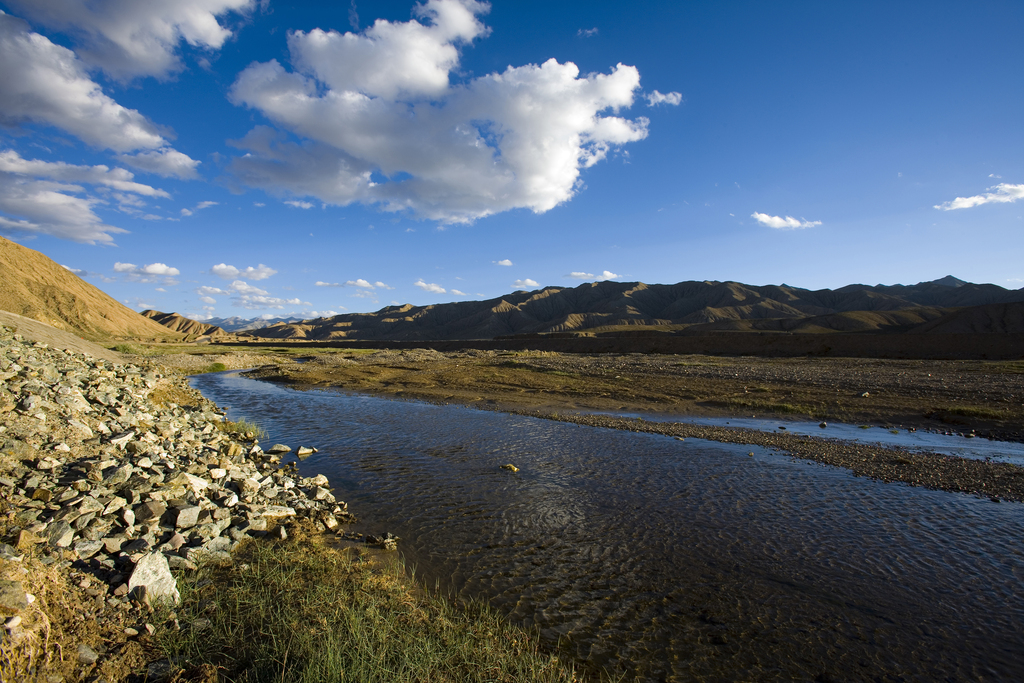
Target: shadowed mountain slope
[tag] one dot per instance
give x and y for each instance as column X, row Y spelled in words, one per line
column 33, row 286
column 690, row 306
column 179, row 323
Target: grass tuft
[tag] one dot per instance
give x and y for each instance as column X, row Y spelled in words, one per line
column 304, row 612
column 243, row 428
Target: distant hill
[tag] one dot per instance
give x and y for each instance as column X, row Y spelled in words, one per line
column 179, row 323
column 686, row 307
column 237, row 324
column 33, row 286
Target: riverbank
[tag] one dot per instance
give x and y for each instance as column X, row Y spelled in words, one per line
column 132, row 516
column 968, row 397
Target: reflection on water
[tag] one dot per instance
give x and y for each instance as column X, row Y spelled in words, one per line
column 947, row 444
column 670, row 560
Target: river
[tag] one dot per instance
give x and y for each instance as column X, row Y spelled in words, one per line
column 669, row 560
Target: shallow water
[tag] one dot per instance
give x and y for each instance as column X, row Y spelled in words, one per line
column 975, row 448
column 670, row 560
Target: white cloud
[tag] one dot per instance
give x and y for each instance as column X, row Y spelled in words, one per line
column 206, row 204
column 523, row 284
column 1002, row 193
column 226, row 272
column 380, row 284
column 130, row 38
column 429, row 287
column 151, row 273
column 321, row 314
column 359, row 283
column 44, row 197
column 780, row 223
column 207, row 299
column 240, row 287
column 260, row 302
column 656, row 98
column 166, row 162
column 580, row 275
column 587, row 32
column 115, row 178
column 504, row 262
column 258, row 204
column 458, row 293
column 46, row 83
column 381, row 101
column 318, row 283
column 299, row 205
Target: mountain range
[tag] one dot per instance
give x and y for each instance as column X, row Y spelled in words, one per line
column 944, row 305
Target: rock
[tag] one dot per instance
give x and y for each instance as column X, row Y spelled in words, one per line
column 279, row 448
column 60, row 534
column 153, row 572
column 87, row 549
column 187, row 517
column 248, row 487
column 510, row 467
column 149, row 511
column 278, row 511
column 823, row 425
column 176, row 541
column 304, row 452
column 86, row 655
column 13, row 597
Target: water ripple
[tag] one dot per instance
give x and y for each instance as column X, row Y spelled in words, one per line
column 670, row 560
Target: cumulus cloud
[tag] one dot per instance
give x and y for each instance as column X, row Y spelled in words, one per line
column 581, row 275
column 524, row 284
column 429, row 287
column 130, row 38
column 780, row 223
column 299, row 205
column 360, row 283
column 381, row 101
column 262, row 302
column 153, row 272
column 1002, row 193
column 656, row 98
column 45, row 83
column 458, row 293
column 45, row 197
column 504, row 262
column 226, row 272
column 165, row 162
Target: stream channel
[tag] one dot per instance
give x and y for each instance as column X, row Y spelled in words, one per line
column 669, row 560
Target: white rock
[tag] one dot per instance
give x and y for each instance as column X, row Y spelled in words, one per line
column 153, row 572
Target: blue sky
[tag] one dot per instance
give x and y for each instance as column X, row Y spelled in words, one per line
column 231, row 157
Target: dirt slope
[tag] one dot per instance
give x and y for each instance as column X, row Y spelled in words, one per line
column 179, row 323
column 33, row 286
column 41, row 332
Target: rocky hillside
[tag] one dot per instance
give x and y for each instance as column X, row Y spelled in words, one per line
column 106, row 494
column 186, row 326
column 33, row 286
column 693, row 306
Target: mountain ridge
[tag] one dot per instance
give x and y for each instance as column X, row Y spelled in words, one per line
column 689, row 306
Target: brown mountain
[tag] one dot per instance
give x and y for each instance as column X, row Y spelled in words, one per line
column 33, row 286
column 179, row 323
column 683, row 307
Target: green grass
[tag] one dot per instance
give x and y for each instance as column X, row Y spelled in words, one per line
column 765, row 406
column 243, row 428
column 301, row 612
column 975, row 411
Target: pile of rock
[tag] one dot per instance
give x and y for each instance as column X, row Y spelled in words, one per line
column 97, row 476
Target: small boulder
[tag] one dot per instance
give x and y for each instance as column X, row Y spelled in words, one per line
column 13, row 597
column 153, row 572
